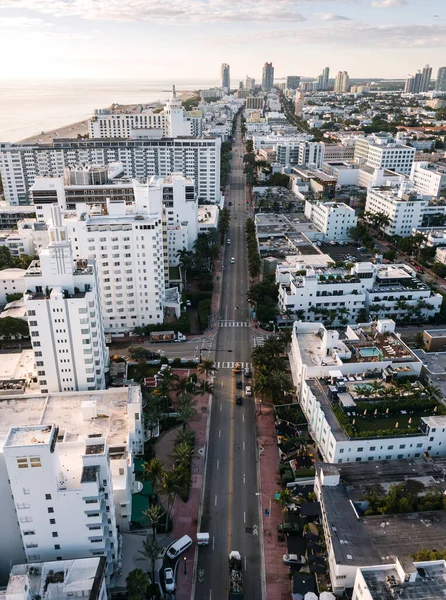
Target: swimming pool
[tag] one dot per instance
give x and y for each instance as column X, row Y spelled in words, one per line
column 368, row 352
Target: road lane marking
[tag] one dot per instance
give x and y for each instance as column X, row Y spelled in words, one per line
column 213, row 542
column 215, row 501
column 221, row 407
column 210, row 594
column 219, row 433
column 244, row 516
column 243, row 418
column 245, row 562
column 243, row 445
column 244, row 478
column 218, row 463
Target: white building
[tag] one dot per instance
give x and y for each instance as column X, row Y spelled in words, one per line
column 65, row 317
column 140, row 157
column 208, row 218
column 382, row 151
column 12, row 281
column 343, row 151
column 404, row 206
column 66, row 473
column 429, row 179
column 341, row 83
column 58, row 580
column 172, row 120
column 386, row 291
column 440, row 255
column 311, row 154
column 334, row 219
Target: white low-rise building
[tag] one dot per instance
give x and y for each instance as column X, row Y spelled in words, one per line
column 339, row 294
column 405, row 207
column 334, row 219
column 429, row 179
column 66, row 473
column 63, row 304
column 12, row 281
column 58, row 580
column 208, row 215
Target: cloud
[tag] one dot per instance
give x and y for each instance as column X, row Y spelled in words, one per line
column 10, row 23
column 326, row 16
column 389, row 3
column 360, row 35
column 173, row 11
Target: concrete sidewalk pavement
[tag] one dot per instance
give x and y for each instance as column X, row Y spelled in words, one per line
column 278, row 586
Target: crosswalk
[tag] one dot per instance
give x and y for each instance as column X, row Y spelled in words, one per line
column 230, row 365
column 233, row 324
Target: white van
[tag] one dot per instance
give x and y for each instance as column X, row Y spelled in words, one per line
column 179, row 547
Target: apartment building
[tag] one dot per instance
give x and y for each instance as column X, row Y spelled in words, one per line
column 255, row 102
column 63, row 305
column 341, row 84
column 382, row 151
column 429, row 179
column 311, row 154
column 117, row 122
column 339, row 152
column 80, row 577
column 12, row 281
column 66, row 474
column 334, row 219
column 267, row 77
column 225, row 77
column 140, row 158
column 11, row 215
column 386, row 291
column 404, row 206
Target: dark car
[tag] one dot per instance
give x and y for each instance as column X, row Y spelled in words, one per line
column 290, row 528
column 239, row 385
column 229, row 203
column 248, row 372
column 239, row 400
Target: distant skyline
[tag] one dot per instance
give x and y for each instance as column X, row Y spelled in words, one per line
column 151, row 39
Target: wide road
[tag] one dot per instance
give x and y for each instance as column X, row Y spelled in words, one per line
column 231, row 507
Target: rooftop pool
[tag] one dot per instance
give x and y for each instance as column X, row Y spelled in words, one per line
column 368, row 352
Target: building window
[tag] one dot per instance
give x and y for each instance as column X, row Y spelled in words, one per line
column 35, row 461
column 52, row 521
column 22, row 463
column 56, row 546
column 54, row 534
column 50, row 509
column 47, row 496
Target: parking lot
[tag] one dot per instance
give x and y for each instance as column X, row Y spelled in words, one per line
column 347, row 252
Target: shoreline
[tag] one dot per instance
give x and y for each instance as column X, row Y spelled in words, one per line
column 71, row 130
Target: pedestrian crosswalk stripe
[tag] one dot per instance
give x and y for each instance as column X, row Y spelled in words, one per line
column 230, row 365
column 233, row 323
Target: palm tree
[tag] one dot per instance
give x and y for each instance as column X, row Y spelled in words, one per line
column 165, row 383
column 151, row 551
column 185, row 261
column 376, row 386
column 154, row 471
column 137, row 584
column 183, row 385
column 153, row 516
column 273, row 347
column 207, row 367
column 182, row 455
column 261, row 385
column 205, row 387
column 285, row 337
column 151, row 411
column 279, row 383
column 185, row 408
column 224, row 220
column 185, row 436
column 173, row 483
column 283, row 498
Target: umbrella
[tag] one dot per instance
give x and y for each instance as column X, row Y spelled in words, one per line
column 310, row 596
column 327, row 596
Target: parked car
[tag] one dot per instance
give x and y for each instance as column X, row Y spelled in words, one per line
column 248, row 373
column 239, row 385
column 169, row 581
column 293, row 559
column 239, row 400
column 248, row 390
column 289, row 528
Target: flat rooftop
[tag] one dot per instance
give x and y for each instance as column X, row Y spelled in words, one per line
column 336, row 428
column 17, row 365
column 65, row 411
column 428, row 585
column 434, row 362
column 436, row 333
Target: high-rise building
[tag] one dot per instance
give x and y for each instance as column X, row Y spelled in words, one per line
column 311, row 154
column 341, row 82
column 65, row 317
column 250, row 83
column 267, row 77
column 299, row 103
column 225, row 77
column 440, row 84
column 325, row 77
column 413, row 84
column 426, row 76
column 292, row 82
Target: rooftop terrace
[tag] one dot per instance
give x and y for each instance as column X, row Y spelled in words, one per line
column 385, row 584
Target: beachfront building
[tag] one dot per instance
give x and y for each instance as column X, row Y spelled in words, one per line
column 405, row 207
column 382, row 151
column 119, row 122
column 340, row 295
column 334, row 219
column 64, row 316
column 143, row 155
column 67, row 474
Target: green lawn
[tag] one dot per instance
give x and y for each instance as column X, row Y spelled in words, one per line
column 377, row 423
column 138, row 372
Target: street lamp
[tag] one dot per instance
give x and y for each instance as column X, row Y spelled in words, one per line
column 185, row 565
column 270, row 499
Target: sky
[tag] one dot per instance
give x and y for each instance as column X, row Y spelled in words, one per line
column 166, row 39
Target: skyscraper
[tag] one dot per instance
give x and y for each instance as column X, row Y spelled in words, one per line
column 292, row 82
column 341, row 82
column 267, row 77
column 426, row 78
column 413, row 84
column 440, row 84
column 225, row 77
column 325, row 76
column 250, row 83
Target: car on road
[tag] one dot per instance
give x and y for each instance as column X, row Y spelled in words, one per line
column 248, row 390
column 239, row 400
column 248, row 373
column 229, row 203
column 239, row 385
column 232, row 260
column 169, row 581
column 228, row 241
column 237, row 368
column 188, row 303
column 293, row 559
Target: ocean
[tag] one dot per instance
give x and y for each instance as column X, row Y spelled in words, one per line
column 30, row 106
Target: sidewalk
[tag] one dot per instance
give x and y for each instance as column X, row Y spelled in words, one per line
column 278, row 586
column 185, row 515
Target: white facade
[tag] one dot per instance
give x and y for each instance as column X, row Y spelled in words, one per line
column 207, row 218
column 140, row 158
column 69, row 469
column 429, row 179
column 341, row 83
column 311, row 154
column 404, row 206
column 81, row 577
column 387, row 291
column 334, row 219
column 440, row 255
column 12, row 281
column 65, row 317
column 381, row 151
